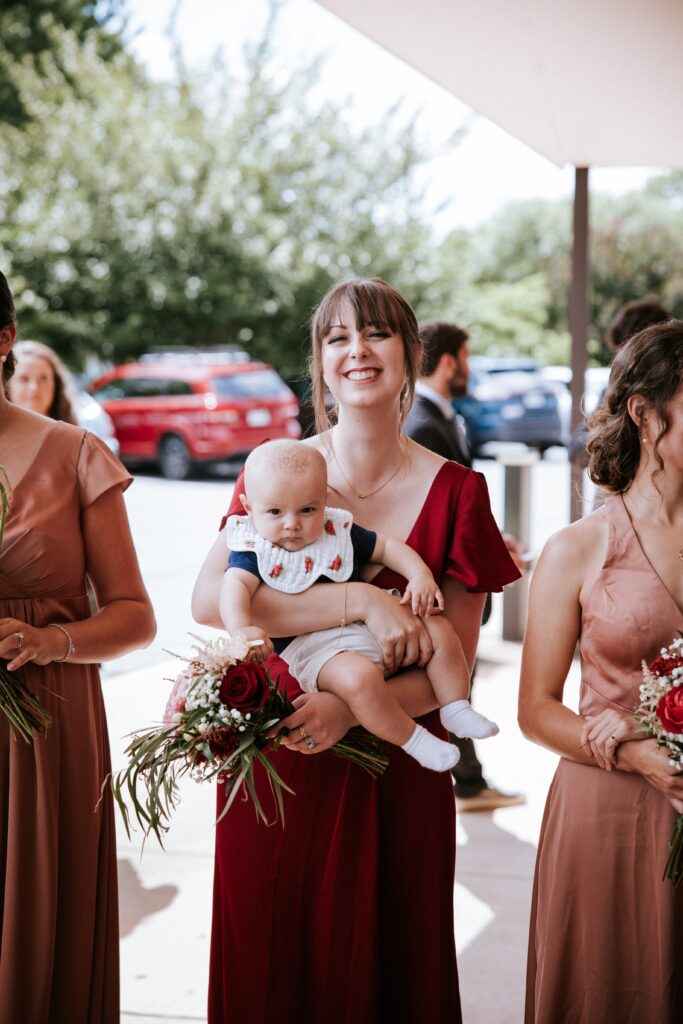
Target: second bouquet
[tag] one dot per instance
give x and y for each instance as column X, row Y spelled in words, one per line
column 219, row 724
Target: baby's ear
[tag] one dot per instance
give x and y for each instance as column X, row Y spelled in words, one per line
column 245, row 503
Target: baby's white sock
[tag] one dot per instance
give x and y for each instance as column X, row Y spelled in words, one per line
column 430, row 751
column 459, row 717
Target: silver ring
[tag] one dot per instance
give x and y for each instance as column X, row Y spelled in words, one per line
column 310, row 742
column 20, row 640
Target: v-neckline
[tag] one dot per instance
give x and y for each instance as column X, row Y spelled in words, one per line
column 646, row 559
column 417, row 519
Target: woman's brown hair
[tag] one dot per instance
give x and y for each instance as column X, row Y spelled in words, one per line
column 374, row 303
column 649, row 365
column 7, row 316
column 62, row 407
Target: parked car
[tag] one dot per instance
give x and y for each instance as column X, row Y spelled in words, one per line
column 509, row 400
column 92, row 417
column 595, row 383
column 184, row 409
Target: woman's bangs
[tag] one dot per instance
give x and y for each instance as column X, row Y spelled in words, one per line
column 371, row 304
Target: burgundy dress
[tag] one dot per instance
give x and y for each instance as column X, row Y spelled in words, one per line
column 606, row 942
column 345, row 915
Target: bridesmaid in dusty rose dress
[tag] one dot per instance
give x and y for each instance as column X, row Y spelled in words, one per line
column 606, row 943
column 58, row 898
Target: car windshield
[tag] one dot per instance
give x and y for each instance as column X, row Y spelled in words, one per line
column 252, row 384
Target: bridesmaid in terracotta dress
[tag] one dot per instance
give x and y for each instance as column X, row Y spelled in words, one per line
column 58, row 897
column 606, row 944
column 345, row 916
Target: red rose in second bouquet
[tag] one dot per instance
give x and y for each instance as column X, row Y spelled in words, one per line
column 665, row 666
column 245, row 687
column 670, row 710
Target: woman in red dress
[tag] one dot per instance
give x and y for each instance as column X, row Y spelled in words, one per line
column 346, row 913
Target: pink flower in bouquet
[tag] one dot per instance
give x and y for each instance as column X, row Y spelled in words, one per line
column 670, row 710
column 245, row 687
column 176, row 702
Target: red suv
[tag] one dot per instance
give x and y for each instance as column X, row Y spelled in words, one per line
column 181, row 409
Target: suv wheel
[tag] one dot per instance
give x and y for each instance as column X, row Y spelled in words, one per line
column 174, row 458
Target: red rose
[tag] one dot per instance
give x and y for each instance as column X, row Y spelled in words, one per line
column 670, row 710
column 245, row 687
column 223, row 742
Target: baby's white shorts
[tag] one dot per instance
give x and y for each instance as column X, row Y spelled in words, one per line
column 307, row 654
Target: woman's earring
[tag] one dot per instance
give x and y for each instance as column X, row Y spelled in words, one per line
column 3, row 359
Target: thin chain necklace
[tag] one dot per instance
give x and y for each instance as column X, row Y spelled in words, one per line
column 679, row 551
column 368, row 494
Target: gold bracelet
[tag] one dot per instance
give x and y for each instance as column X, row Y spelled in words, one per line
column 70, row 649
column 343, row 622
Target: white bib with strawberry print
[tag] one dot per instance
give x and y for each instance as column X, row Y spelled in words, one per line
column 331, row 555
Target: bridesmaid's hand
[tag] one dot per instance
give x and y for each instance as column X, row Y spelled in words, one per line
column 651, row 761
column 20, row 643
column 323, row 718
column 401, row 635
column 602, row 734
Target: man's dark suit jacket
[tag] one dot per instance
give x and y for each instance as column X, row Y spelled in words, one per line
column 427, row 425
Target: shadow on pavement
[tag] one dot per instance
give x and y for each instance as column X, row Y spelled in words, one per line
column 135, row 902
column 497, row 868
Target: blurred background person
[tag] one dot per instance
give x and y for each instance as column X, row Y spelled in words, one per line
column 42, row 383
column 434, row 423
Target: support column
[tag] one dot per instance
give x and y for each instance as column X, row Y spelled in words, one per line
column 578, row 322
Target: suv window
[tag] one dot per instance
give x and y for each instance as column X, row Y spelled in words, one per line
column 254, row 384
column 143, row 387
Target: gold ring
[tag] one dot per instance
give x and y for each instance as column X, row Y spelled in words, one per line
column 303, row 732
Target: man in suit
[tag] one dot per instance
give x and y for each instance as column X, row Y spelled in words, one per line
column 433, row 423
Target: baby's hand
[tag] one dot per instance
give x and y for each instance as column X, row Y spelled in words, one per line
column 423, row 595
column 262, row 649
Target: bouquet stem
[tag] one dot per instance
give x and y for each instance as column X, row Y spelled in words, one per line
column 22, row 709
column 674, row 865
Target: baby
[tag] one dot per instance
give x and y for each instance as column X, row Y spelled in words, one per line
column 289, row 540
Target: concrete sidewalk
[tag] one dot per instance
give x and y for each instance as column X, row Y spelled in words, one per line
column 166, row 895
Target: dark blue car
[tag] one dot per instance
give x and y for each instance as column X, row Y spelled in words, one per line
column 509, row 400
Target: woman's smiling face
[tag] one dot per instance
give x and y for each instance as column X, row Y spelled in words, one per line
column 362, row 366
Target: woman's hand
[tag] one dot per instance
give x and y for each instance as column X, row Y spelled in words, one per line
column 20, row 643
column 401, row 635
column 651, row 761
column 323, row 718
column 603, row 733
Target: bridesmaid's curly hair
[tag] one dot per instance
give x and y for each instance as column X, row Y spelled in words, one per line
column 649, row 365
column 376, row 303
column 7, row 316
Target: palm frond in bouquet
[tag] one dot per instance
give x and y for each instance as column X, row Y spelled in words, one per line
column 19, row 704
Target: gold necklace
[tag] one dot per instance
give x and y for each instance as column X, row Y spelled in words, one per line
column 679, row 551
column 369, row 494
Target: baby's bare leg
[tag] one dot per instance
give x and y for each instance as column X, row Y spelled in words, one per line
column 361, row 685
column 448, row 673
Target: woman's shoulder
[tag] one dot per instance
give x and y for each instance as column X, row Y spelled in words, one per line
column 578, row 548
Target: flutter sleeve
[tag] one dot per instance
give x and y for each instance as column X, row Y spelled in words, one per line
column 235, row 508
column 98, row 470
column 477, row 555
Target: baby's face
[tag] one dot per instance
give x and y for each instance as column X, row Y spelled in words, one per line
column 288, row 509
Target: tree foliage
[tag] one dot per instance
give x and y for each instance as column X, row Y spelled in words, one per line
column 219, row 209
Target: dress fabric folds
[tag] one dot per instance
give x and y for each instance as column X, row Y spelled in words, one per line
column 606, row 942
column 58, row 895
column 345, row 915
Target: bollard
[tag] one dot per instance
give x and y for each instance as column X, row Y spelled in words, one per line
column 517, row 521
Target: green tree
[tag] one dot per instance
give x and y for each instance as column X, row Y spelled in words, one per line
column 29, row 33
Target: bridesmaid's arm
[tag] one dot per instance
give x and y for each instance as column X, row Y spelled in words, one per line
column 553, row 625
